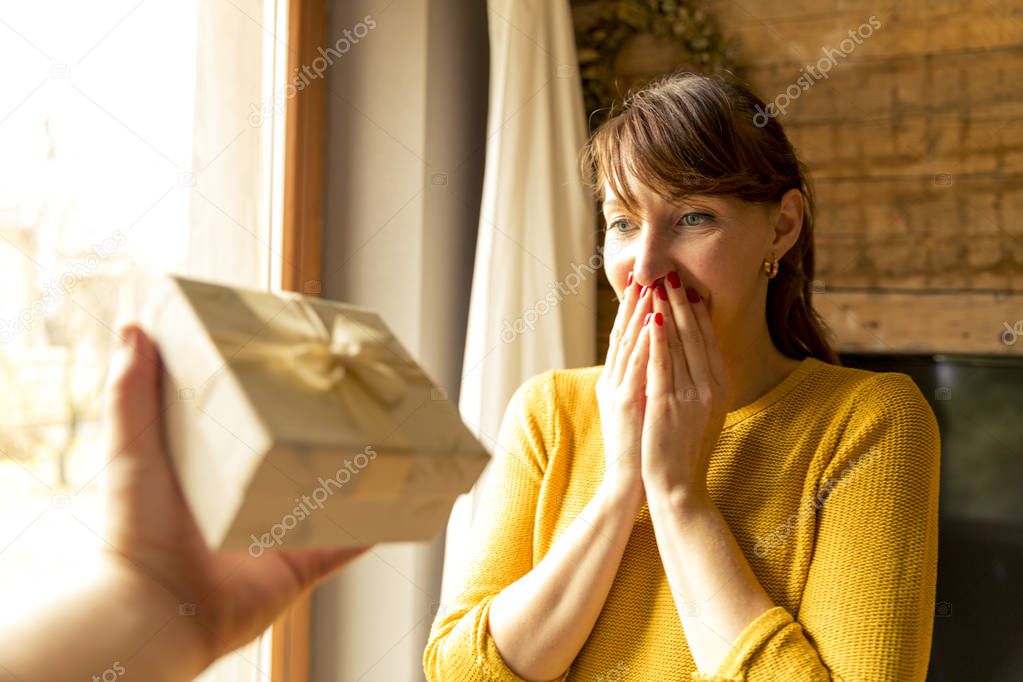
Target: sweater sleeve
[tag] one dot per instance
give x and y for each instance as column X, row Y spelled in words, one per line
column 460, row 648
column 868, row 604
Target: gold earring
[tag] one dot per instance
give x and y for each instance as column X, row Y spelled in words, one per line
column 771, row 267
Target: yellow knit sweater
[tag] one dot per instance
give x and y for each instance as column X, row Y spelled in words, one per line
column 829, row 482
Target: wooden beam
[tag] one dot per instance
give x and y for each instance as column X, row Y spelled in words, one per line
column 956, row 322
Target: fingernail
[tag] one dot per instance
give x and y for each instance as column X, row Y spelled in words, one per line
column 629, row 282
column 692, row 295
column 124, row 335
column 647, row 319
column 659, row 320
column 643, row 292
column 674, row 280
column 662, row 292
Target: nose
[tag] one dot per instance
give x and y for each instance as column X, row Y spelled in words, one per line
column 651, row 261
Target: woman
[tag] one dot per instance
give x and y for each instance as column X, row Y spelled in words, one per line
column 720, row 500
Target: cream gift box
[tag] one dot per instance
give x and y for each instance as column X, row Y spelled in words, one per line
column 295, row 422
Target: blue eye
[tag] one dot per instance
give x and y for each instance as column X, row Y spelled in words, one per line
column 703, row 217
column 621, row 225
column 619, row 221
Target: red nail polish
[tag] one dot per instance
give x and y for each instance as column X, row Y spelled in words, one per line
column 674, row 280
column 662, row 292
column 692, row 295
column 643, row 292
column 629, row 282
column 646, row 319
column 659, row 320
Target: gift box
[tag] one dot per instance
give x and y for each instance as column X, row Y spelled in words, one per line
column 295, row 422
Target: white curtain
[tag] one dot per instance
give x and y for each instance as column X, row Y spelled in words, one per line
column 533, row 304
column 231, row 220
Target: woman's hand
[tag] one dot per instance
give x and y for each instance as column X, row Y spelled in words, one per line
column 543, row 618
column 620, row 393
column 153, row 536
column 687, row 393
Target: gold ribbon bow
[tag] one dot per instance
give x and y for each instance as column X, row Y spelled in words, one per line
column 354, row 361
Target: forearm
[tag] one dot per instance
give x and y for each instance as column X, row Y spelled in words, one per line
column 541, row 621
column 122, row 623
column 715, row 590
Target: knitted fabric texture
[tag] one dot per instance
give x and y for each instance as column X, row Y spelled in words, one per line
column 829, row 482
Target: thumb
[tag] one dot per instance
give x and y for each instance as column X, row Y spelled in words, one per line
column 132, row 403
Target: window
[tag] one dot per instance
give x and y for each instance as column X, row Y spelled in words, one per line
column 129, row 143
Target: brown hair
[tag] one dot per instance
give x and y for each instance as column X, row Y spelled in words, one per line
column 690, row 134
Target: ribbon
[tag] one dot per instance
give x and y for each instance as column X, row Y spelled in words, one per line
column 354, row 361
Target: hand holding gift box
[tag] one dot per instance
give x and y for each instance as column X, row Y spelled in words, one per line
column 294, row 421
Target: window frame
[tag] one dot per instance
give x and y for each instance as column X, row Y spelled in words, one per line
column 301, row 267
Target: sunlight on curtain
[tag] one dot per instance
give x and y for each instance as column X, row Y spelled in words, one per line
column 128, row 146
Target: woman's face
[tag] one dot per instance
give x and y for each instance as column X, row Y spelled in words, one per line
column 717, row 244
